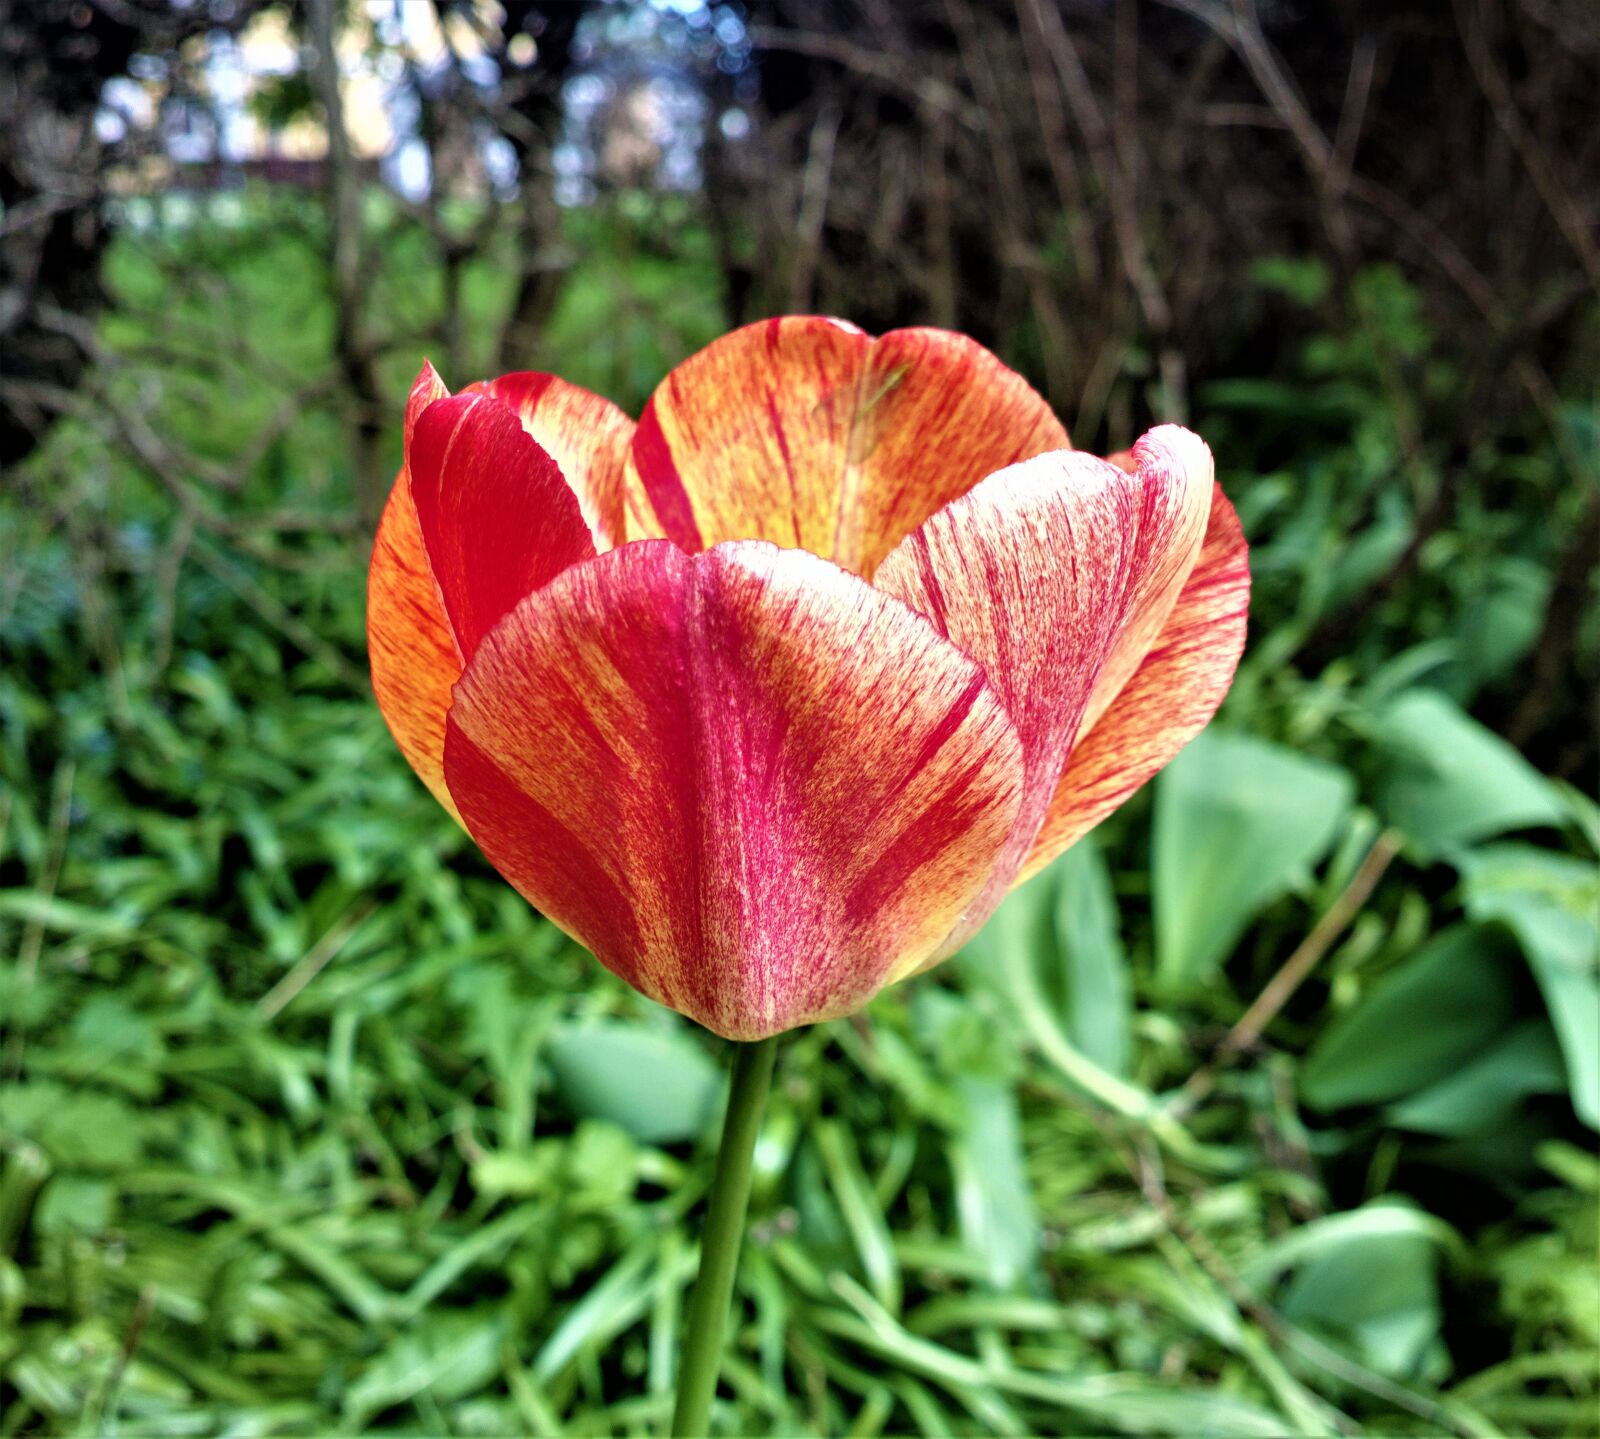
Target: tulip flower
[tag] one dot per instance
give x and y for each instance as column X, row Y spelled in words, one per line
column 770, row 698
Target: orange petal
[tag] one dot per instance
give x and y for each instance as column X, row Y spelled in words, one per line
column 1048, row 573
column 587, row 436
column 413, row 649
column 493, row 507
column 755, row 787
column 1170, row 698
column 807, row 432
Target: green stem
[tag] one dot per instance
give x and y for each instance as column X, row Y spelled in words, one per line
column 719, row 1243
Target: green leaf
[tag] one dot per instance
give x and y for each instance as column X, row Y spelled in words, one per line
column 620, row 1298
column 447, row 1356
column 1063, row 926
column 1485, row 1092
column 1500, row 621
column 863, row 1215
column 659, row 1085
column 62, row 915
column 1367, row 1279
column 1239, row 822
column 1096, row 1009
column 1550, row 902
column 1448, row 781
column 993, row 1197
column 1380, row 1297
column 1303, row 280
column 1420, row 1022
column 76, row 1129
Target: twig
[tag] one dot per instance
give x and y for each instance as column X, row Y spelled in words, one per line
column 1297, row 968
column 1097, row 134
column 1357, row 91
column 1569, row 219
column 118, row 423
column 1013, row 190
column 814, row 204
column 1058, row 155
column 143, row 1307
column 279, row 617
column 313, row 961
column 1240, row 27
column 930, row 91
column 347, row 260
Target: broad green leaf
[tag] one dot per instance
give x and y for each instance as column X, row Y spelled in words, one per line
column 1500, row 621
column 1382, row 1219
column 1420, row 1022
column 1381, row 1298
column 1062, row 927
column 1551, row 903
column 75, row 1128
column 993, row 1198
column 1448, row 781
column 1486, row 1090
column 659, row 1085
column 1239, row 822
column 1368, row 1280
column 1093, row 970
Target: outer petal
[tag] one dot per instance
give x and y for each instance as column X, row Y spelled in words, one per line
column 415, row 660
column 1049, row 574
column 1170, row 698
column 587, row 436
column 755, row 787
column 808, row 432
column 1176, row 476
column 497, row 517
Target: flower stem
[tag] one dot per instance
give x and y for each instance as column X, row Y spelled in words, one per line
column 724, row 1231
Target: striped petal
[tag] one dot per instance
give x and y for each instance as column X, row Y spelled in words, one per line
column 415, row 660
column 415, row 649
column 755, row 787
column 807, row 432
column 497, row 517
column 1175, row 477
column 1051, row 574
column 1170, row 697
column 587, row 436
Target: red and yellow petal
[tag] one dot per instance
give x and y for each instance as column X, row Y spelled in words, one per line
column 1176, row 476
column 481, row 482
column 1048, row 573
column 496, row 514
column 755, row 787
column 807, row 432
column 1170, row 697
column 413, row 650
column 586, row 435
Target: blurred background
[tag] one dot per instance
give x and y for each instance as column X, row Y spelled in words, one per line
column 1270, row 1109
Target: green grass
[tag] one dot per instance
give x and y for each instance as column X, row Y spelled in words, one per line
column 308, row 1124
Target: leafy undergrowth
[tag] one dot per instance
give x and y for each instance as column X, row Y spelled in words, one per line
column 309, row 1125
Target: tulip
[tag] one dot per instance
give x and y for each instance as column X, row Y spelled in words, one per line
column 769, row 699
